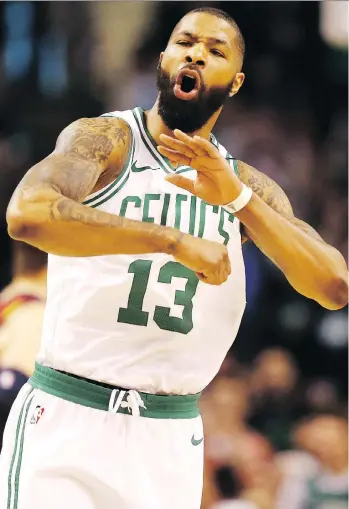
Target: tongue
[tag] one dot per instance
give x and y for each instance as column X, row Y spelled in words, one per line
column 185, row 96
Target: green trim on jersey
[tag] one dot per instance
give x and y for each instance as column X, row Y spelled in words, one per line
column 149, row 142
column 16, row 461
column 97, row 395
column 228, row 156
column 163, row 161
column 183, row 170
column 111, row 190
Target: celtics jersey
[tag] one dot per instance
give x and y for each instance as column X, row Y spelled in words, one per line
column 145, row 321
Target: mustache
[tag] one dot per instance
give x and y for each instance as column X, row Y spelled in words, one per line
column 191, row 67
column 172, row 80
column 188, row 116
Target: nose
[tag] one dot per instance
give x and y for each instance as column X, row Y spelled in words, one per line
column 196, row 55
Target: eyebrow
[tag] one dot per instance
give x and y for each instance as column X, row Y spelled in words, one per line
column 212, row 40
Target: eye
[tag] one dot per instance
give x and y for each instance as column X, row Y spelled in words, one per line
column 217, row 53
column 184, row 43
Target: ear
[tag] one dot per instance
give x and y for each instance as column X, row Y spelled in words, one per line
column 237, row 83
column 161, row 55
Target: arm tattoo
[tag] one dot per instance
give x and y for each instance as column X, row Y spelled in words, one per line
column 306, row 228
column 85, row 151
column 65, row 209
column 97, row 138
column 266, row 188
column 272, row 194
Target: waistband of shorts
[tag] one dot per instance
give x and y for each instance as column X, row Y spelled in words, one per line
column 96, row 395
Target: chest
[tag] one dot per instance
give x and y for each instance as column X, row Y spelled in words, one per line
column 148, row 197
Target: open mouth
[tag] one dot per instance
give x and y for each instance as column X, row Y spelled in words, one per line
column 187, row 84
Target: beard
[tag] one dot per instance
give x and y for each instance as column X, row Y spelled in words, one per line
column 188, row 116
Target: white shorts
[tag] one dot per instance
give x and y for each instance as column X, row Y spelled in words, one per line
column 72, row 444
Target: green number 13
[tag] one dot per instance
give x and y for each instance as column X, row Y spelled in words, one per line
column 134, row 313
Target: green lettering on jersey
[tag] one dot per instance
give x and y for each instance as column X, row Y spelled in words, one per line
column 147, row 199
column 135, row 315
column 179, row 199
column 202, row 218
column 164, row 212
column 192, row 216
column 129, row 199
column 221, row 230
column 162, row 315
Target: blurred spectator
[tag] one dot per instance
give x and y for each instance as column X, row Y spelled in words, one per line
column 224, row 407
column 260, row 482
column 325, row 437
column 275, row 396
column 22, row 305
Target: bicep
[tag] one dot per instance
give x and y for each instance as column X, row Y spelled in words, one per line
column 266, row 188
column 84, row 150
column 65, row 174
column 274, row 196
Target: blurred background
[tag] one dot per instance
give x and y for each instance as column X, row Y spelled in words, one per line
column 276, row 415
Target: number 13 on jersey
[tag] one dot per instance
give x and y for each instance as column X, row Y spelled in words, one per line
column 134, row 313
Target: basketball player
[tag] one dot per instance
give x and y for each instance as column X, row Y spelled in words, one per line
column 146, row 286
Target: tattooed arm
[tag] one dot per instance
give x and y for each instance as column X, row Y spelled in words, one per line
column 314, row 268
column 46, row 209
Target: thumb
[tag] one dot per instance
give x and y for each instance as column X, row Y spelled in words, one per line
column 182, row 182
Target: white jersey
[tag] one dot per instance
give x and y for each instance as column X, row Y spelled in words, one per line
column 145, row 321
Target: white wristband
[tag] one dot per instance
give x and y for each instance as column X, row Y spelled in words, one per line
column 241, row 201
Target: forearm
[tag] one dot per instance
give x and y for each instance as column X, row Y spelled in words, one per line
column 312, row 267
column 59, row 225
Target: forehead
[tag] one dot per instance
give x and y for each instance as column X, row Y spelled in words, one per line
column 206, row 25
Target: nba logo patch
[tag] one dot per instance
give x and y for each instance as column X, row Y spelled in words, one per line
column 35, row 418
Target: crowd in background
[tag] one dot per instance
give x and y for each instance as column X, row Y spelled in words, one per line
column 275, row 417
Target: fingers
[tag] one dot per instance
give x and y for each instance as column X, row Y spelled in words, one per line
column 189, row 146
column 199, row 145
column 174, row 156
column 178, row 146
column 215, row 278
column 182, row 182
column 190, row 142
column 220, row 272
column 207, row 146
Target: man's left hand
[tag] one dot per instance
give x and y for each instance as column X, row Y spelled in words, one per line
column 216, row 183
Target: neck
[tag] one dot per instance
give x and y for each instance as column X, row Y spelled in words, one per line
column 156, row 125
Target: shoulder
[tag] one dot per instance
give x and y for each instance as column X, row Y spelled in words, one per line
column 102, row 139
column 266, row 188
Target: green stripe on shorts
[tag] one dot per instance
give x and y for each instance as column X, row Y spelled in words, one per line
column 16, row 462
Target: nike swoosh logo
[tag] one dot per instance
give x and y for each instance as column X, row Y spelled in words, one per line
column 137, row 169
column 196, row 442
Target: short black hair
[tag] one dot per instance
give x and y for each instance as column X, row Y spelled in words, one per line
column 224, row 15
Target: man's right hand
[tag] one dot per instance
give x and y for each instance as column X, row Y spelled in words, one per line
column 209, row 260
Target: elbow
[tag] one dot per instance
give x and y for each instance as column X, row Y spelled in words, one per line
column 337, row 293
column 20, row 229
column 20, row 226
